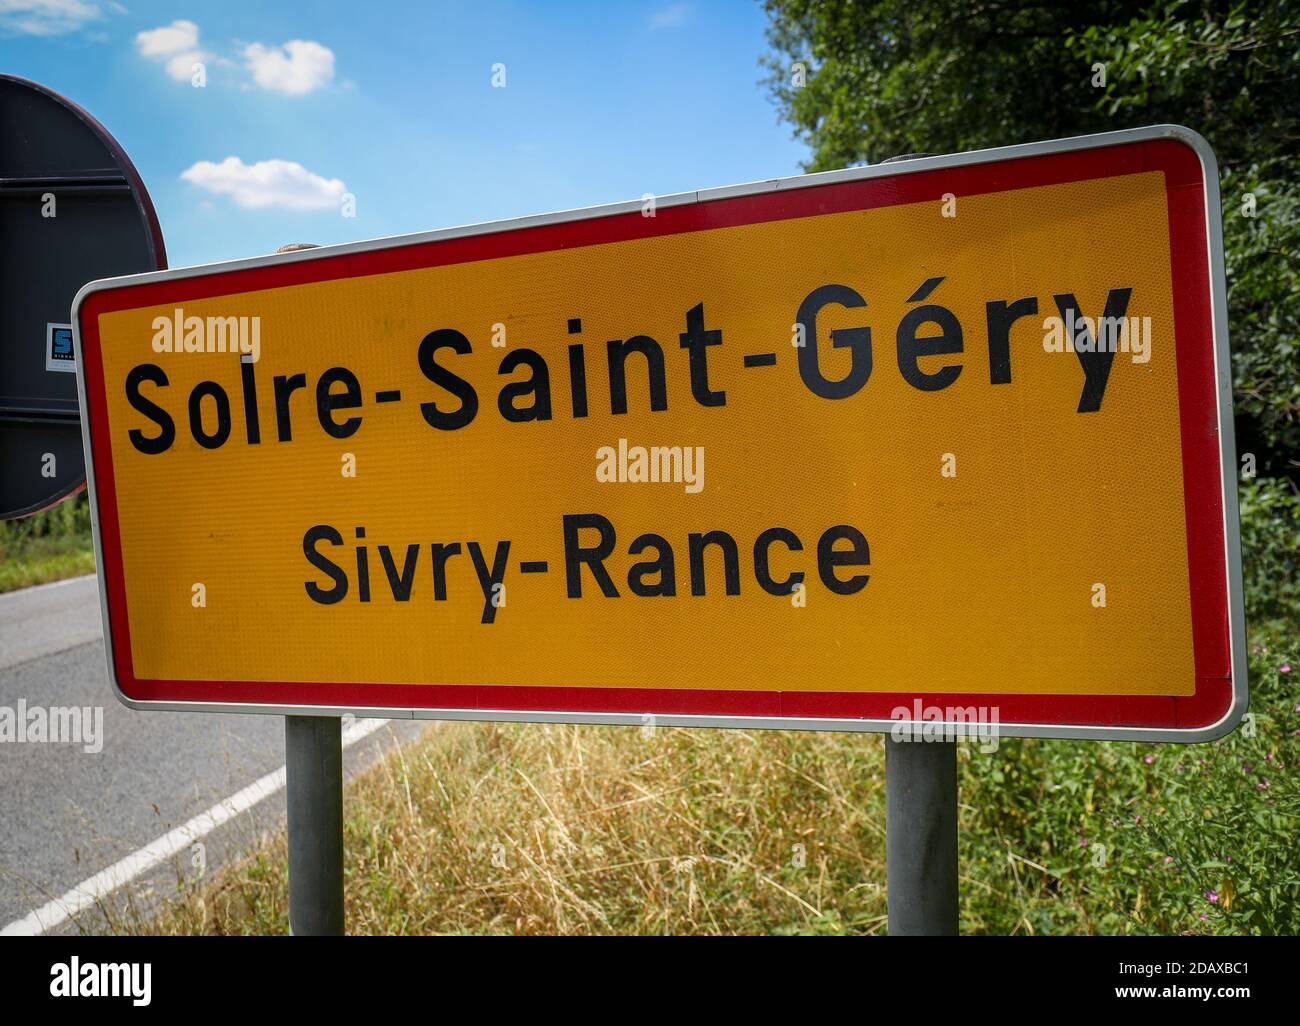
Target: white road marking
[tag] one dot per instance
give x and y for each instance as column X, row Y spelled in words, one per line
column 90, row 892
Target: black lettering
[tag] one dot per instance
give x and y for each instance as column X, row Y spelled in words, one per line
column 911, row 348
column 447, row 338
column 578, row 379
column 1096, row 360
column 856, row 340
column 252, row 422
column 222, row 402
column 761, row 572
column 349, row 399
column 314, row 535
column 488, row 580
column 697, row 340
column 400, row 585
column 1000, row 316
column 284, row 388
column 654, row 356
column 538, row 385
column 440, row 554
column 828, row 558
column 576, row 554
column 663, row 566
column 363, row 569
column 150, row 372
column 730, row 560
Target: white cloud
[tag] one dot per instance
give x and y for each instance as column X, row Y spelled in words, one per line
column 177, row 44
column 168, row 40
column 268, row 183
column 671, row 17
column 46, row 17
column 296, row 68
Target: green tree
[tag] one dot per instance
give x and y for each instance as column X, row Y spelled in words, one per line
column 864, row 81
column 899, row 76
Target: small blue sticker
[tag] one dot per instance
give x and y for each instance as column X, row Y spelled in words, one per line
column 59, row 355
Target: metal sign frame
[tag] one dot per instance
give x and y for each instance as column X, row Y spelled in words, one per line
column 1208, row 716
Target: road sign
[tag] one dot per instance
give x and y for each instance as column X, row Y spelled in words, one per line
column 72, row 208
column 929, row 442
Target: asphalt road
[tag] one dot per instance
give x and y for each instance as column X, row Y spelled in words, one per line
column 67, row 814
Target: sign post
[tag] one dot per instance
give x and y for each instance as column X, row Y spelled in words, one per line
column 313, row 754
column 921, row 837
column 940, row 448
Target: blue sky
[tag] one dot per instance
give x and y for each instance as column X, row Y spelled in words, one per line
column 394, row 104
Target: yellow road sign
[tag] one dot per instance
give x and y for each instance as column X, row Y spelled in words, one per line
column 892, row 444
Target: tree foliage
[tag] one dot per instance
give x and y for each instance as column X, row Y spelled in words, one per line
column 861, row 82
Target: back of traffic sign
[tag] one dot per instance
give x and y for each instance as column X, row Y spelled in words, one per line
column 72, row 209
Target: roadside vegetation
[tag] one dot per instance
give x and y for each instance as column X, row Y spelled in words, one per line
column 47, row 547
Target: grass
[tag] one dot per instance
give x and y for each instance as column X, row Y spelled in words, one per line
column 586, row 830
column 47, row 547
column 495, row 828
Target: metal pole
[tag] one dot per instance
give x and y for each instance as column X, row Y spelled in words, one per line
column 313, row 758
column 921, row 837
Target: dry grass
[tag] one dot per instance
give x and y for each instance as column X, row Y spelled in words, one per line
column 489, row 828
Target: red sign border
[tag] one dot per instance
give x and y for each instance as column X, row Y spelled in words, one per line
column 1219, row 697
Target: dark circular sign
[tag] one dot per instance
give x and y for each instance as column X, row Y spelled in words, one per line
column 72, row 209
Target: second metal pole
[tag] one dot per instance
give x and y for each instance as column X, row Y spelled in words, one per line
column 921, row 837
column 313, row 759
